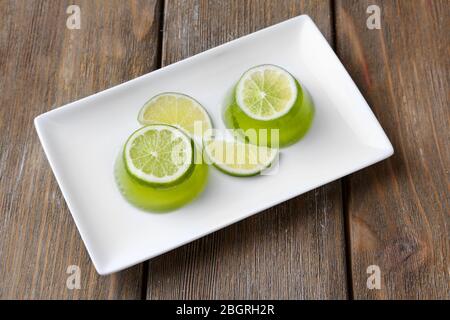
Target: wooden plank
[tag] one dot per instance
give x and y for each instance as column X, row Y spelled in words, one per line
column 43, row 64
column 295, row 250
column 398, row 210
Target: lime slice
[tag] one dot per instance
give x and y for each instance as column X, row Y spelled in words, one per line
column 266, row 92
column 238, row 158
column 159, row 155
column 175, row 109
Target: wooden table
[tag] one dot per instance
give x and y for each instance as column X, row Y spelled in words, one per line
column 394, row 214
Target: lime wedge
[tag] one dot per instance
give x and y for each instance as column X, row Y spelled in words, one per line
column 175, row 109
column 266, row 92
column 237, row 158
column 159, row 155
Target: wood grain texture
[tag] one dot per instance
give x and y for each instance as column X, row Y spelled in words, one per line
column 43, row 65
column 398, row 210
column 293, row 251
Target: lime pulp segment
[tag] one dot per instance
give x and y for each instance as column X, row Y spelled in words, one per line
column 266, row 92
column 175, row 109
column 158, row 154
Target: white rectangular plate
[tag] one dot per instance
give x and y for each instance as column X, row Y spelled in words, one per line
column 82, row 139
